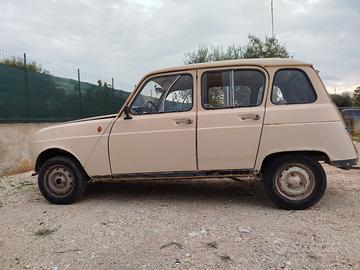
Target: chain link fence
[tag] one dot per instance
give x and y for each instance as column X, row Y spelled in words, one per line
column 29, row 93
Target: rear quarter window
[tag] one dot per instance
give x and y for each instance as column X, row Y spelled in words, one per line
column 292, row 86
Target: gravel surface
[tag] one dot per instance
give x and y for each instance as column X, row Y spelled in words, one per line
column 189, row 224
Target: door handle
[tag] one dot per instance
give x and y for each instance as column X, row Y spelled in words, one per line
column 187, row 121
column 250, row 116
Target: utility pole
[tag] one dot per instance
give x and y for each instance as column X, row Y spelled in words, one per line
column 113, row 95
column 80, row 99
column 27, row 89
column 272, row 18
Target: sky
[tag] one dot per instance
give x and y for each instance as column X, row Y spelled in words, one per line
column 125, row 39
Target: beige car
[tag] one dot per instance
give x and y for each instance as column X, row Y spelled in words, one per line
column 257, row 117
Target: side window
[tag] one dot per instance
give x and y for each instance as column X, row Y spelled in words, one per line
column 180, row 96
column 172, row 93
column 292, row 86
column 216, row 89
column 232, row 88
column 248, row 88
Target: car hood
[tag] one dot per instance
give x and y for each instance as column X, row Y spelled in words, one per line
column 93, row 126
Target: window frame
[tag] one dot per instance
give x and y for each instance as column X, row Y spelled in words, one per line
column 232, row 87
column 307, row 78
column 143, row 84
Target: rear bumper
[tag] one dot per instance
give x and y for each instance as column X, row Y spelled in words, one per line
column 345, row 164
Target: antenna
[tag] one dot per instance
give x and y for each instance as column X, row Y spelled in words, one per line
column 272, row 18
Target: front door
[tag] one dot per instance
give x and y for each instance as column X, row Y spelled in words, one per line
column 230, row 117
column 160, row 136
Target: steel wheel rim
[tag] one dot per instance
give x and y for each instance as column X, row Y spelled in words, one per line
column 295, row 181
column 59, row 181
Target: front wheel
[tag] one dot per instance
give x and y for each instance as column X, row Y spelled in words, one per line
column 61, row 180
column 294, row 182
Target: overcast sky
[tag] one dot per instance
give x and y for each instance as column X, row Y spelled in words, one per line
column 127, row 38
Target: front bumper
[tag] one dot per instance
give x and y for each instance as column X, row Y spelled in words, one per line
column 345, row 164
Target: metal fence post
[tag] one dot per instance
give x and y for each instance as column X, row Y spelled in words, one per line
column 80, row 101
column 27, row 90
column 113, row 94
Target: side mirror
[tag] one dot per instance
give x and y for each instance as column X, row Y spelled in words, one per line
column 127, row 113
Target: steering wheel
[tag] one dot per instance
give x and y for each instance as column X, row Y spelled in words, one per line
column 150, row 106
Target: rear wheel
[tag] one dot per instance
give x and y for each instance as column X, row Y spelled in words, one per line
column 294, row 181
column 61, row 180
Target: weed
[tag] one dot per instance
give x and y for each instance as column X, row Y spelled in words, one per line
column 24, row 184
column 212, row 244
column 179, row 246
column 45, row 232
column 225, row 258
column 356, row 137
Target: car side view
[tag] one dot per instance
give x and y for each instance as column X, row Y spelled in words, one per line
column 268, row 118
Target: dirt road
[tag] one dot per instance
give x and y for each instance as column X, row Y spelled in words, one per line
column 189, row 224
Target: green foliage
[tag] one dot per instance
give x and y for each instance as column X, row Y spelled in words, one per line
column 255, row 48
column 271, row 47
column 200, row 56
column 103, row 84
column 17, row 62
column 343, row 100
column 205, row 54
column 356, row 97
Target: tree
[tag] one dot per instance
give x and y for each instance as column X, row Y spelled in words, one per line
column 356, row 97
column 343, row 100
column 103, row 84
column 255, row 48
column 17, row 62
column 271, row 47
column 205, row 54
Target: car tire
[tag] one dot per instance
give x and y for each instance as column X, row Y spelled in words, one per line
column 294, row 182
column 61, row 180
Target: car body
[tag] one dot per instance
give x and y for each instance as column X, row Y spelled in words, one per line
column 352, row 119
column 220, row 119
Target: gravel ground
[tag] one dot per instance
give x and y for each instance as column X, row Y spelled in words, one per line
column 189, row 224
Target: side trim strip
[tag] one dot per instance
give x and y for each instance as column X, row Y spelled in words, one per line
column 182, row 174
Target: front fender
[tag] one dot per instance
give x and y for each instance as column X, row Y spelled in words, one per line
column 77, row 138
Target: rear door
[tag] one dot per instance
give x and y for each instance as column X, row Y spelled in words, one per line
column 230, row 117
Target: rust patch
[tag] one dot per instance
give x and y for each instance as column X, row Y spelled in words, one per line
column 23, row 166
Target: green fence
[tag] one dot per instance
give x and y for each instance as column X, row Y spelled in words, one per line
column 38, row 97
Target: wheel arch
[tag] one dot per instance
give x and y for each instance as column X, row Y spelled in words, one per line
column 52, row 152
column 316, row 155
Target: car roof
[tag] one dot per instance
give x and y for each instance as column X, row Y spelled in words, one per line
column 262, row 62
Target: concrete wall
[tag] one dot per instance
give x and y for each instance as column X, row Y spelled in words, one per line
column 14, row 147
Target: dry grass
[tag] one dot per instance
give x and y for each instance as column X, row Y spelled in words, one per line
column 356, row 137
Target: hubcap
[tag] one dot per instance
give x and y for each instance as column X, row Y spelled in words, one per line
column 295, row 182
column 59, row 181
